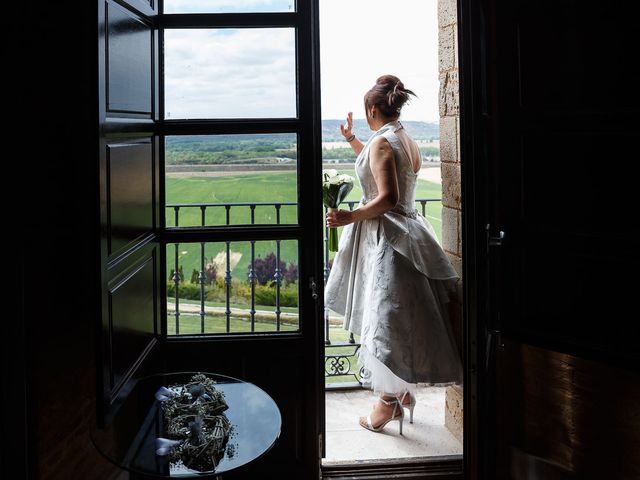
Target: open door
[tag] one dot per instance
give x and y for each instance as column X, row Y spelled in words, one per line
column 129, row 193
column 550, row 106
column 151, row 234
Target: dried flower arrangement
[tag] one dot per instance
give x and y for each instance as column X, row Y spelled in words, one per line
column 197, row 429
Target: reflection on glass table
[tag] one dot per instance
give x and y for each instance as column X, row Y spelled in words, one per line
column 131, row 441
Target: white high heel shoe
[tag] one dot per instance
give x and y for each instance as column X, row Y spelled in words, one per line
column 410, row 405
column 394, row 416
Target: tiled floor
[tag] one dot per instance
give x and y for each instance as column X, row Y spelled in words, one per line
column 347, row 441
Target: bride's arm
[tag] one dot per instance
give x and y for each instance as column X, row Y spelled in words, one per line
column 383, row 167
column 347, row 132
column 356, row 145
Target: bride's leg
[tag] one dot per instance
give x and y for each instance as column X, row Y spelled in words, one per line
column 387, row 407
column 407, row 400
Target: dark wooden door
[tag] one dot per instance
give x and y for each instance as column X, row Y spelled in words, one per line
column 140, row 234
column 550, row 130
column 129, row 192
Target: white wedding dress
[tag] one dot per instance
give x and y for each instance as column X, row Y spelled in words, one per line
column 392, row 282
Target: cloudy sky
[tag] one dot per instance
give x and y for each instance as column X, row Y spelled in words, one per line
column 234, row 73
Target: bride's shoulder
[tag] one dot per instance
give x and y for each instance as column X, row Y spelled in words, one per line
column 380, row 143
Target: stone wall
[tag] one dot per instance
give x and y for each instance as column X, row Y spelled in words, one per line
column 450, row 170
column 450, row 131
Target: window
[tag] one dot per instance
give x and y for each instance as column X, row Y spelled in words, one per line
column 230, row 73
column 235, row 133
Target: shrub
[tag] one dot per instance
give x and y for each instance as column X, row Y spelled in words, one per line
column 240, row 293
column 291, row 273
column 266, row 295
column 289, row 296
column 188, row 291
column 195, row 274
column 180, row 273
column 265, row 268
column 210, row 271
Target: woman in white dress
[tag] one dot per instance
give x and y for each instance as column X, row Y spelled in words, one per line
column 390, row 278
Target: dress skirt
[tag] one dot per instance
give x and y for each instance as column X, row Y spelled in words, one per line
column 393, row 284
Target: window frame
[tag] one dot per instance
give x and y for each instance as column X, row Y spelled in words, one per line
column 305, row 126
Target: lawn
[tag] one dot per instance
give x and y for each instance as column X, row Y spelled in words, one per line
column 280, row 186
column 190, row 325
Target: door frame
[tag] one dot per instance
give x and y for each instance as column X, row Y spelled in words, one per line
column 475, row 117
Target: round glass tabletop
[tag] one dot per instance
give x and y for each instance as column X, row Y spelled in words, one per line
column 131, row 439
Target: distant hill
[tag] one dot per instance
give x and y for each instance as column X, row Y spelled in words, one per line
column 418, row 130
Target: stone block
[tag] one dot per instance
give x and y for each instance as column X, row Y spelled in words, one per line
column 447, row 12
column 454, row 411
column 449, row 93
column 451, row 230
column 451, row 190
column 448, row 139
column 446, row 49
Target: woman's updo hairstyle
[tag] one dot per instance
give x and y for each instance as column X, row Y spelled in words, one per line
column 389, row 95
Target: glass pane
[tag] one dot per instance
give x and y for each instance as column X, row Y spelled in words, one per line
column 230, row 73
column 234, row 287
column 214, row 180
column 228, row 6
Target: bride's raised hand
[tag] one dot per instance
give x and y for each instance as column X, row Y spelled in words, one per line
column 346, row 131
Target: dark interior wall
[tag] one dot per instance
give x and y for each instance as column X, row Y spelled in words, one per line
column 55, row 169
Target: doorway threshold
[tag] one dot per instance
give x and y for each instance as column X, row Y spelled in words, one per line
column 432, row 468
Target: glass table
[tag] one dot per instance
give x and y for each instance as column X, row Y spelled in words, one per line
column 130, row 439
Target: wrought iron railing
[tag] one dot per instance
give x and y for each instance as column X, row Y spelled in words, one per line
column 251, row 276
column 340, row 355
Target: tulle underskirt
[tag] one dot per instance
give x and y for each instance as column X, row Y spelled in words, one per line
column 383, row 381
column 380, row 378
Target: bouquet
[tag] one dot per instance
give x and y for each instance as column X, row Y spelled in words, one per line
column 335, row 188
column 196, row 427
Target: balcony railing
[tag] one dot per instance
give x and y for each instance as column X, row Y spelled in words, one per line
column 340, row 353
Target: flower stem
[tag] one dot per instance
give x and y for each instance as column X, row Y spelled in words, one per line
column 333, row 239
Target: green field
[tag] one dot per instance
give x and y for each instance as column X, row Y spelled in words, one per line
column 280, row 186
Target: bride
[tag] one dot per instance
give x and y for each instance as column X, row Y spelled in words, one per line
column 390, row 278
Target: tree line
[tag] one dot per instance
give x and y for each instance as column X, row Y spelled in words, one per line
column 203, row 151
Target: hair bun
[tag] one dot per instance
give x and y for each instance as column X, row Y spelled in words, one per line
column 389, row 94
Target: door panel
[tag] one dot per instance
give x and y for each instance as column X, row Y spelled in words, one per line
column 572, row 58
column 569, row 239
column 551, row 129
column 129, row 61
column 130, row 192
column 564, row 196
column 132, row 316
